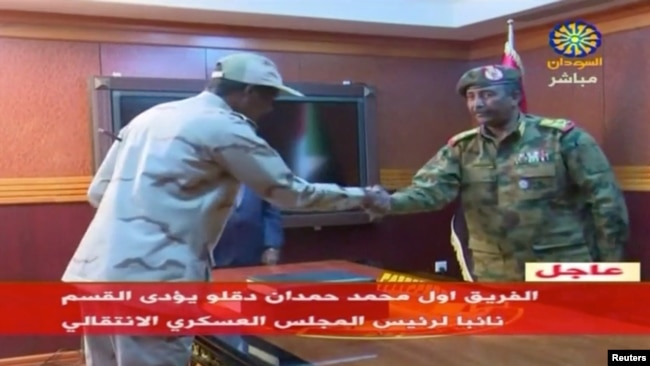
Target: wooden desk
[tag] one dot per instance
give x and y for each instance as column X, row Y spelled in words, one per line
column 448, row 351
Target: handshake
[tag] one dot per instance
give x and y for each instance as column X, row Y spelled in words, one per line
column 377, row 201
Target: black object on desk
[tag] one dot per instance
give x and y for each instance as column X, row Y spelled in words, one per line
column 320, row 276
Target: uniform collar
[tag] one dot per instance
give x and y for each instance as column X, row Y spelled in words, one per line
column 518, row 129
column 214, row 100
column 218, row 102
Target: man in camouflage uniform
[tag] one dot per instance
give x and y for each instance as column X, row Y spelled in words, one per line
column 533, row 189
column 167, row 186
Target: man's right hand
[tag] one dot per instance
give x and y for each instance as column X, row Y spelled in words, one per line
column 271, row 256
column 376, row 201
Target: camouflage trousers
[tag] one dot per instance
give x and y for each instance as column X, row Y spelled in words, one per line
column 496, row 267
column 134, row 350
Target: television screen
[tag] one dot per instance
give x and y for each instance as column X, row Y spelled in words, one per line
column 318, row 138
column 327, row 137
column 127, row 105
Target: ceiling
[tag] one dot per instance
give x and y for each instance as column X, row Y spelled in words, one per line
column 435, row 19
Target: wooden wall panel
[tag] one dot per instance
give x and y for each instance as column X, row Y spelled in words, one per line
column 37, row 243
column 638, row 250
column 419, row 109
column 161, row 33
column 153, row 61
column 334, row 69
column 44, row 107
column 627, row 97
column 39, row 240
column 584, row 105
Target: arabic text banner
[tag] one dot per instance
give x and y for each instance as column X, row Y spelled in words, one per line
column 583, row 272
column 343, row 310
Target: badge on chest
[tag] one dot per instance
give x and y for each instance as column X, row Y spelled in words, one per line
column 535, row 172
column 533, row 157
column 524, row 184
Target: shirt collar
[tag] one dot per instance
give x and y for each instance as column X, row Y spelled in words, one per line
column 218, row 102
column 214, row 100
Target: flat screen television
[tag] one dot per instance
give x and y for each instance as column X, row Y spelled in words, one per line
column 327, row 136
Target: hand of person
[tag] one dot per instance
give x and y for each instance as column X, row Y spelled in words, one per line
column 271, row 256
column 376, row 201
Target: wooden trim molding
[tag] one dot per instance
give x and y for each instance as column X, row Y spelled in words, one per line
column 61, row 358
column 633, row 178
column 18, row 24
column 73, row 189
column 43, row 190
column 64, row 27
column 396, row 178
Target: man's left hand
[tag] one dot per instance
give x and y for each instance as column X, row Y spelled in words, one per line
column 271, row 256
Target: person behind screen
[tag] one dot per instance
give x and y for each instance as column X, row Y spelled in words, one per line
column 167, row 186
column 253, row 234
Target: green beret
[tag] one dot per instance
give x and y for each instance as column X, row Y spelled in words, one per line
column 487, row 76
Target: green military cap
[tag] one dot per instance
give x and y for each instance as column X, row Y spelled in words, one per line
column 487, row 76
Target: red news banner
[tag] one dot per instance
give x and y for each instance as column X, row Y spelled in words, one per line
column 343, row 310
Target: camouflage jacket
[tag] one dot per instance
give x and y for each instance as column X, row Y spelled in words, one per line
column 546, row 185
column 164, row 192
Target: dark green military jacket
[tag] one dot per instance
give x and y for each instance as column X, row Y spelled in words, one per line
column 545, row 186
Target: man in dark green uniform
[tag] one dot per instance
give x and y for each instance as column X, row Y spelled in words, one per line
column 533, row 189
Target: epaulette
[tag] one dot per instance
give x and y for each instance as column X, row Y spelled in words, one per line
column 462, row 136
column 563, row 125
